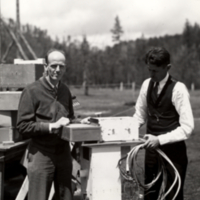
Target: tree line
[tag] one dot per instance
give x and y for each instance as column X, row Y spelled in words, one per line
column 122, row 62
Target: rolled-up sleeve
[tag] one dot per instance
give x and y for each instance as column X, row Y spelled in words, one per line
column 140, row 114
column 181, row 101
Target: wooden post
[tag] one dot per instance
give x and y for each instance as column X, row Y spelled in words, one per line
column 17, row 25
column 192, row 87
column 2, row 171
column 133, row 86
column 24, row 190
column 7, row 51
column 17, row 15
column 28, row 46
column 121, row 86
column 0, row 34
column 15, row 40
column 85, row 86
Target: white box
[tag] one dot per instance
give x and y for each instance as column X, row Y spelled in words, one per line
column 118, row 129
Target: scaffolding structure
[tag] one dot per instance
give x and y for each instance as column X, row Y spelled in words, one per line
column 16, row 38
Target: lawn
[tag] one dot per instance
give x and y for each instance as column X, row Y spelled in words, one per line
column 113, row 102
column 108, row 101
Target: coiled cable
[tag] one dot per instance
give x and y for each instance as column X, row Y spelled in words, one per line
column 131, row 175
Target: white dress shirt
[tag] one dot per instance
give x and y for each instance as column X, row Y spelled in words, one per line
column 180, row 99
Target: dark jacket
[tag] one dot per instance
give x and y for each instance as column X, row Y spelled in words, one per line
column 40, row 105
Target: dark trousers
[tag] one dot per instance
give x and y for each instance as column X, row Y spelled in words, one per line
column 177, row 154
column 44, row 169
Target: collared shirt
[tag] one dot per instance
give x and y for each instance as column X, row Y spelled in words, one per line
column 162, row 83
column 180, row 99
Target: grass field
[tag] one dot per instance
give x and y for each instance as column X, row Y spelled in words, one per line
column 108, row 101
column 113, row 102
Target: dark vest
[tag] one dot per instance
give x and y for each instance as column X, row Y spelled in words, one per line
column 162, row 116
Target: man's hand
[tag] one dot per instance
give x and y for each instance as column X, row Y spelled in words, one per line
column 151, row 141
column 85, row 120
column 54, row 127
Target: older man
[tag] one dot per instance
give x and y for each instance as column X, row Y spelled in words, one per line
column 164, row 104
column 45, row 106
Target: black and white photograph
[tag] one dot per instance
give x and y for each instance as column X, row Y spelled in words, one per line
column 99, row 100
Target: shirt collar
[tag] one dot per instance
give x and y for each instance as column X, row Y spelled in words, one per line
column 163, row 81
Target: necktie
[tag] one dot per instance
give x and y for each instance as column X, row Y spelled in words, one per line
column 155, row 92
column 156, row 88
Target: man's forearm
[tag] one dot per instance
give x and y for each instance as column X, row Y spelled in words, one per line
column 31, row 128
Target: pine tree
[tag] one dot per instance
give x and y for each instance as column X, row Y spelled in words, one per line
column 85, row 52
column 187, row 34
column 117, row 30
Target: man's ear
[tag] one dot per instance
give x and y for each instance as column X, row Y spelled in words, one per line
column 169, row 66
column 45, row 73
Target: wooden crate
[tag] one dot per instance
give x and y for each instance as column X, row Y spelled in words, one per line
column 8, row 131
column 81, row 133
column 9, row 100
column 8, row 118
column 9, row 134
column 18, row 76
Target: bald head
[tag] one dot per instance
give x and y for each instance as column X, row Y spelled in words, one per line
column 55, row 68
column 55, row 55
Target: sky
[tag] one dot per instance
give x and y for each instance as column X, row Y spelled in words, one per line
column 95, row 18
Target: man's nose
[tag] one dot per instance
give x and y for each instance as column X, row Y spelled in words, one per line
column 58, row 68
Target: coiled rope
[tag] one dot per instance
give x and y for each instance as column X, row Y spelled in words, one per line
column 131, row 175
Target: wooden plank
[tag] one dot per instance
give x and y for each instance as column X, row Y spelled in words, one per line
column 8, row 131
column 20, row 144
column 12, row 34
column 6, row 134
column 7, row 51
column 8, row 118
column 9, row 100
column 81, row 133
column 9, row 134
column 27, row 45
column 13, row 75
column 2, row 172
column 52, row 191
column 24, row 190
column 114, row 143
column 84, row 172
column 5, row 119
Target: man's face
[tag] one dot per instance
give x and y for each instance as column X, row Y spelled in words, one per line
column 157, row 73
column 56, row 66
